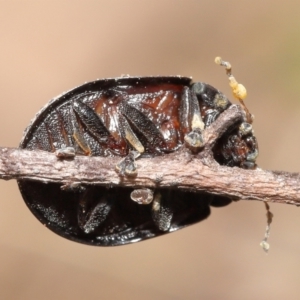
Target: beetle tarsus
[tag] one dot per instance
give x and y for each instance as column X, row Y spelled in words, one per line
column 67, row 152
column 142, row 196
column 194, row 139
column 127, row 166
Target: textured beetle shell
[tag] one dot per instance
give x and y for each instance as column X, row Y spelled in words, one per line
column 108, row 217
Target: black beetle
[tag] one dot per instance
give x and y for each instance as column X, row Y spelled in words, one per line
column 128, row 117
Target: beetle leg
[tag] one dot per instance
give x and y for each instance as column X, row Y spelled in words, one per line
column 77, row 135
column 245, row 130
column 185, row 110
column 91, row 120
column 191, row 110
column 144, row 125
column 127, row 166
column 214, row 101
column 211, row 115
column 90, row 214
column 251, row 157
column 161, row 213
column 129, row 135
column 253, row 153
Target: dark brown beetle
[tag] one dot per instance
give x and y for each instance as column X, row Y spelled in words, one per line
column 128, row 117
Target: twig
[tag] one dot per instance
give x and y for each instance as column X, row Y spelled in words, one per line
column 179, row 170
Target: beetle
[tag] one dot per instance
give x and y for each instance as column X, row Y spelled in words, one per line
column 129, row 117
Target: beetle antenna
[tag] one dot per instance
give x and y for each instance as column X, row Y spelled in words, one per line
column 239, row 91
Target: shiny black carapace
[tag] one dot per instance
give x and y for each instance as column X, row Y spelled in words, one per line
column 129, row 117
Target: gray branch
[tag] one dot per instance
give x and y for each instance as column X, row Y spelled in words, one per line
column 180, row 170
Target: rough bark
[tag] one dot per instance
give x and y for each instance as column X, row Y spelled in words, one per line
column 180, row 170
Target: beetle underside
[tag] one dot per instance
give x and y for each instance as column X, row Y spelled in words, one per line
column 129, row 117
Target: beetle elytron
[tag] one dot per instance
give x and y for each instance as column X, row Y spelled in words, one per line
column 129, row 117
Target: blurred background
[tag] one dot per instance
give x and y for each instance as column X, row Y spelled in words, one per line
column 48, row 47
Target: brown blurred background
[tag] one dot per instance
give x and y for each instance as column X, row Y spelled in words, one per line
column 48, row 47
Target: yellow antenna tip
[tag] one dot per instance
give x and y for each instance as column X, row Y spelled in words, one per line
column 218, row 60
column 238, row 90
